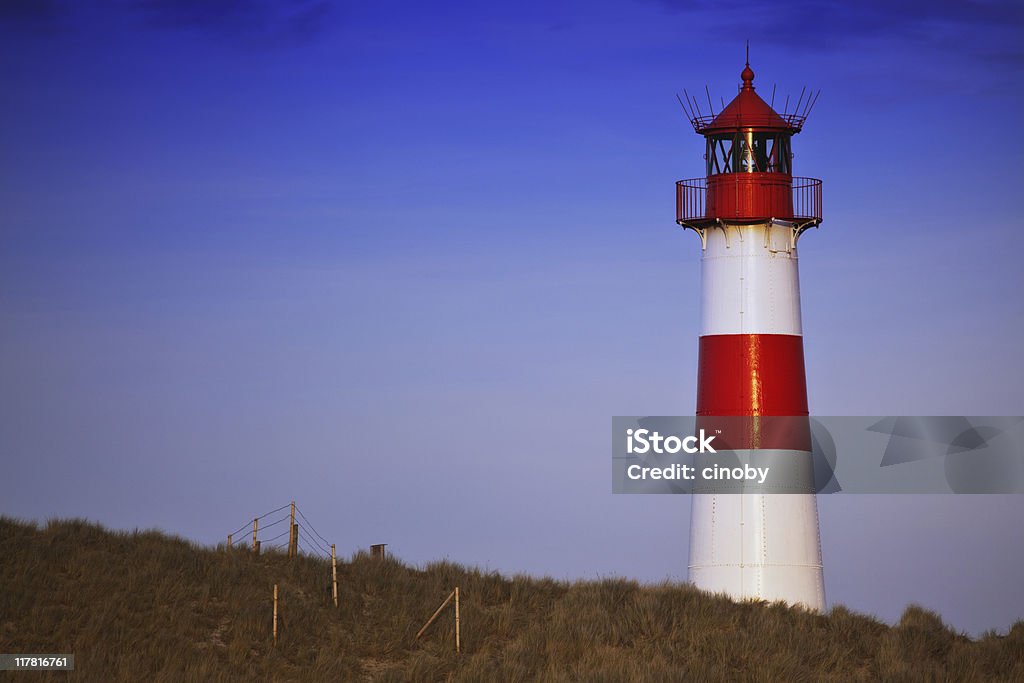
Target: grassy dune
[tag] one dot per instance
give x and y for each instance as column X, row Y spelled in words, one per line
column 145, row 606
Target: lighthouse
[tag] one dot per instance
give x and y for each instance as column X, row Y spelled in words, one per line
column 749, row 211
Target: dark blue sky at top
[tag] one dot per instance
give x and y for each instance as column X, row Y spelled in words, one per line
column 403, row 261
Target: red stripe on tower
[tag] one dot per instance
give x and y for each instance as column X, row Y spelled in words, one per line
column 749, row 377
column 751, row 374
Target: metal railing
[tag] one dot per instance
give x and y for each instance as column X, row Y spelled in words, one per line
column 807, row 198
column 702, row 122
column 691, row 195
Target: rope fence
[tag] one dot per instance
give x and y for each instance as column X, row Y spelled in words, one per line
column 307, row 540
column 302, row 538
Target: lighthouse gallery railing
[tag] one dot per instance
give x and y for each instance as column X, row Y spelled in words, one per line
column 691, row 196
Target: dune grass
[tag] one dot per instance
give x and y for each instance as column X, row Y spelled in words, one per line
column 145, row 606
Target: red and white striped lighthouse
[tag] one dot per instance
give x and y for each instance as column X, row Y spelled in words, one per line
column 750, row 211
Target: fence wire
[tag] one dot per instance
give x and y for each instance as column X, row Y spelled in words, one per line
column 310, row 526
column 267, row 526
column 309, row 540
column 271, row 540
column 248, row 525
column 311, row 546
column 314, row 542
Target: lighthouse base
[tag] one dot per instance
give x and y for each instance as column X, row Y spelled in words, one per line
column 757, row 546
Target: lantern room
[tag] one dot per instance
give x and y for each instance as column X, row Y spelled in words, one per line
column 749, row 165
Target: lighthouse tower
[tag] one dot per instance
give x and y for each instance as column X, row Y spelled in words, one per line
column 749, row 211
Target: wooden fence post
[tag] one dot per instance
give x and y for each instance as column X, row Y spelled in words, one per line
column 293, row 536
column 255, row 526
column 229, row 541
column 458, row 645
column 275, row 614
column 334, row 574
column 434, row 615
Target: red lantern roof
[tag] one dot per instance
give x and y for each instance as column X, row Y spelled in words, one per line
column 748, row 111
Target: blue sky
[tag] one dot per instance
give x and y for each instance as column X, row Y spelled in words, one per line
column 403, row 262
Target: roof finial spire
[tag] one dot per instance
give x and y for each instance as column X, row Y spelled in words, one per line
column 748, row 73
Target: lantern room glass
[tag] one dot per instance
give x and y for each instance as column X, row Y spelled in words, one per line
column 748, row 152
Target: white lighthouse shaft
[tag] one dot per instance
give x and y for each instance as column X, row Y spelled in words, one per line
column 760, row 546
